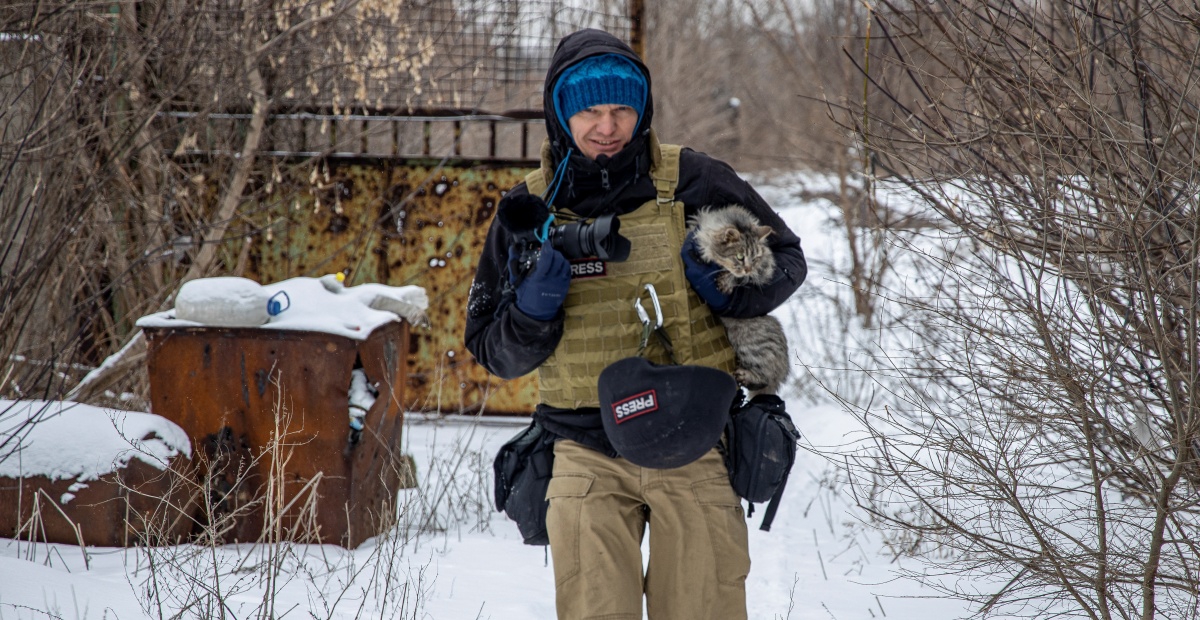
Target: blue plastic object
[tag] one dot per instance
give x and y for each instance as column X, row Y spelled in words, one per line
column 274, row 306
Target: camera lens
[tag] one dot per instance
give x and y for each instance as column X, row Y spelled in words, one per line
column 567, row 239
column 599, row 238
column 608, row 245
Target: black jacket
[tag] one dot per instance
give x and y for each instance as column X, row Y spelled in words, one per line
column 508, row 343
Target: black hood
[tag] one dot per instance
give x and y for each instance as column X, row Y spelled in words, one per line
column 572, row 49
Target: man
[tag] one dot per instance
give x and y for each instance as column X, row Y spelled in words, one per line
column 601, row 157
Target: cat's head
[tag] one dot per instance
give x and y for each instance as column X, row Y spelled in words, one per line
column 733, row 239
column 743, row 252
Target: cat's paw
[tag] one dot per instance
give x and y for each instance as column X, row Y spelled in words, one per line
column 749, row 380
column 726, row 282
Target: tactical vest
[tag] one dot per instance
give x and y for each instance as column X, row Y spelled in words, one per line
column 602, row 325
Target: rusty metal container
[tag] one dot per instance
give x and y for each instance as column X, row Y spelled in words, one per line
column 267, row 414
column 137, row 504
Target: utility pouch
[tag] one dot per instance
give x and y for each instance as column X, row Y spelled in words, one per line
column 522, row 469
column 760, row 449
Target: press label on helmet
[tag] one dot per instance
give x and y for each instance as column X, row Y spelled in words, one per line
column 588, row 268
column 635, row 406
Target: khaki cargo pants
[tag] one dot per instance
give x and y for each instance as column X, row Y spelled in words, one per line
column 599, row 510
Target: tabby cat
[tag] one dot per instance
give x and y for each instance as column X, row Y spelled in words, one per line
column 733, row 239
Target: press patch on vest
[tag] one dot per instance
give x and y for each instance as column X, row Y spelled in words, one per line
column 583, row 268
column 634, row 406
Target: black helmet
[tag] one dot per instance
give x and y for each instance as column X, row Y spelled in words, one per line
column 664, row 416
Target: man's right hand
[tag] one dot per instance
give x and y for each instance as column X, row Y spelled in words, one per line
column 544, row 289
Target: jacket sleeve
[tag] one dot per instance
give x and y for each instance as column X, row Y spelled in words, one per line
column 504, row 340
column 709, row 182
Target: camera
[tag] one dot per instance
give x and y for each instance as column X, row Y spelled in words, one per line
column 529, row 220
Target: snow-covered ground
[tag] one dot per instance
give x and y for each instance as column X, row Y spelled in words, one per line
column 818, row 561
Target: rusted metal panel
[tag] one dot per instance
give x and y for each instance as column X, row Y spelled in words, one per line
column 137, row 504
column 257, row 401
column 416, row 223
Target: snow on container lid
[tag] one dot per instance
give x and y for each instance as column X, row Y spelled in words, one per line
column 313, row 304
column 223, row 302
column 63, row 440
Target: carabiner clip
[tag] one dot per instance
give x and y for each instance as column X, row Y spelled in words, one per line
column 645, row 318
column 641, row 312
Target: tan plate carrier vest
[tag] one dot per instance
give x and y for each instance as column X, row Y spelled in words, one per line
column 602, row 325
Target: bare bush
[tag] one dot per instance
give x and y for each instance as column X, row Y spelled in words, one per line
column 104, row 211
column 204, row 577
column 811, row 42
column 1041, row 430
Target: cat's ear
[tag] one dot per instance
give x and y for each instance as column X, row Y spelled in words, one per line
column 763, row 232
column 729, row 235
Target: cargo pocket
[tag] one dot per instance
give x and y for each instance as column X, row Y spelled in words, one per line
column 726, row 523
column 566, row 493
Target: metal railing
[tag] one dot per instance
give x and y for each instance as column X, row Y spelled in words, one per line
column 510, row 136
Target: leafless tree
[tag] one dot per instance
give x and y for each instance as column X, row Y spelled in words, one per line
column 810, row 41
column 1039, row 429
column 748, row 81
column 105, row 205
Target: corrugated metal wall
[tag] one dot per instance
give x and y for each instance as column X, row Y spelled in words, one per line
column 398, row 223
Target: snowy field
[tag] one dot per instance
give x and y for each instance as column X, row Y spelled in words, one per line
column 454, row 558
column 816, row 562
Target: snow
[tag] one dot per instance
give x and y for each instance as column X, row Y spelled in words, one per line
column 455, row 558
column 816, row 562
column 352, row 311
column 362, row 398
column 834, row 568
column 76, row 441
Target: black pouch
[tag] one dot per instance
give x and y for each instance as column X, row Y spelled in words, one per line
column 760, row 449
column 522, row 468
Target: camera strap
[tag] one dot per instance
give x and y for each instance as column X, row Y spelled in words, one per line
column 556, row 182
column 544, row 231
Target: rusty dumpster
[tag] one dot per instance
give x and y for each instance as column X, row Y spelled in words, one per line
column 135, row 505
column 266, row 411
column 78, row 474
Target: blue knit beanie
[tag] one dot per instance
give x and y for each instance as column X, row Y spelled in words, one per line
column 598, row 80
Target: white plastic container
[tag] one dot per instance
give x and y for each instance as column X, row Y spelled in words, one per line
column 223, row 302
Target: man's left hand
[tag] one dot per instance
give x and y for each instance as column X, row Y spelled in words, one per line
column 703, row 275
